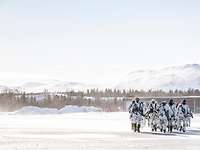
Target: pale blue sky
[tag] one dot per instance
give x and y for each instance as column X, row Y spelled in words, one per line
column 96, row 41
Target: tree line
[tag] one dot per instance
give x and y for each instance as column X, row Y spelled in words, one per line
column 107, row 99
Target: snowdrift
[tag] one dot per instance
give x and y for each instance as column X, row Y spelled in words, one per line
column 71, row 109
column 66, row 109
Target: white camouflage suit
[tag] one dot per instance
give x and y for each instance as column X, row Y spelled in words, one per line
column 172, row 116
column 183, row 115
column 163, row 117
column 136, row 110
column 136, row 116
column 152, row 115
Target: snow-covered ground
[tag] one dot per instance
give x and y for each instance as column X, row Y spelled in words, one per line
column 88, row 131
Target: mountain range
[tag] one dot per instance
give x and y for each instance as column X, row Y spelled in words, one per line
column 169, row 78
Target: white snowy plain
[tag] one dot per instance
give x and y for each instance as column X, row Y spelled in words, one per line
column 88, row 131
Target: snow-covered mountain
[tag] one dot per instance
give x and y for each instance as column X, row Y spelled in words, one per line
column 52, row 86
column 49, row 85
column 178, row 77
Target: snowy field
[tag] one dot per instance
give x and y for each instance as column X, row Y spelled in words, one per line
column 88, row 131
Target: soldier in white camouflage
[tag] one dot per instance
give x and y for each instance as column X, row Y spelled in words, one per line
column 152, row 115
column 183, row 113
column 136, row 109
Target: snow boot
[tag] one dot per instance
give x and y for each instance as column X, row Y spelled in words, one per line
column 138, row 128
column 164, row 131
column 155, row 128
column 134, row 127
column 181, row 128
column 170, row 129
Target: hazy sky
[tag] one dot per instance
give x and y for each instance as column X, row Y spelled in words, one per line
column 96, row 41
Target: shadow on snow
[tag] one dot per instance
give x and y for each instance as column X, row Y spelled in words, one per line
column 176, row 133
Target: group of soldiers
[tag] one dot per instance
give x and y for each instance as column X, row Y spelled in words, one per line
column 166, row 116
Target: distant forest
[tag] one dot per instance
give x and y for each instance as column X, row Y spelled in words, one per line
column 108, row 99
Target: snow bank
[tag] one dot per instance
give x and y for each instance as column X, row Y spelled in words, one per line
column 66, row 109
column 36, row 110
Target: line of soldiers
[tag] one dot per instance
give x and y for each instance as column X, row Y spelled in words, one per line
column 164, row 116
